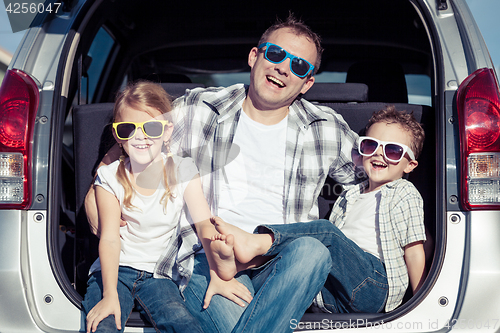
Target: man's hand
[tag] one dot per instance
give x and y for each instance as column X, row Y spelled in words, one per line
column 90, row 201
column 92, row 216
column 232, row 290
column 91, row 210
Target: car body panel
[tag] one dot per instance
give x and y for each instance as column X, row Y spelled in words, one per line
column 483, row 274
column 16, row 314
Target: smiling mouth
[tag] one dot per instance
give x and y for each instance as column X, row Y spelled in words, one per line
column 377, row 165
column 141, row 147
column 275, row 81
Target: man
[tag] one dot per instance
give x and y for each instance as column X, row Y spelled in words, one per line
column 264, row 154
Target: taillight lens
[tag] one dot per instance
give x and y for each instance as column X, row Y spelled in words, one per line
column 478, row 105
column 18, row 106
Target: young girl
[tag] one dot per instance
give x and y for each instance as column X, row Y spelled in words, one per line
column 147, row 189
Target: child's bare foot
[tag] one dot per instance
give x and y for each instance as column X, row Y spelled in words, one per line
column 223, row 254
column 246, row 246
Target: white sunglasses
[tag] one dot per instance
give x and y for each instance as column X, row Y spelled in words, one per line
column 393, row 151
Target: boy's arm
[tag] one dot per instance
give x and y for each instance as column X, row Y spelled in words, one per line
column 90, row 199
column 200, row 214
column 407, row 215
column 415, row 262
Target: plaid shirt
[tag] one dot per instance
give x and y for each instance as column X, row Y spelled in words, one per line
column 318, row 143
column 401, row 222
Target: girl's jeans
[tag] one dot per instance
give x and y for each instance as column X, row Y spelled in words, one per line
column 357, row 281
column 159, row 300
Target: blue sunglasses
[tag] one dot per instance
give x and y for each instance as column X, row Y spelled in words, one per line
column 276, row 54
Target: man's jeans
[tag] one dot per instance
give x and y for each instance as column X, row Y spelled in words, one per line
column 357, row 281
column 159, row 300
column 283, row 289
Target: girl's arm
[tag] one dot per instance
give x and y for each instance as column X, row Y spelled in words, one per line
column 90, row 199
column 415, row 263
column 200, row 213
column 109, row 213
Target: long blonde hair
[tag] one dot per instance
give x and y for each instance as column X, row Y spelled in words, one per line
column 137, row 95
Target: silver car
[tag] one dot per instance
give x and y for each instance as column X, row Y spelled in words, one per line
column 425, row 56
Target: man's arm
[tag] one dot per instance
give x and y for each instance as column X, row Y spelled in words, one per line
column 415, row 263
column 90, row 200
column 344, row 170
column 91, row 211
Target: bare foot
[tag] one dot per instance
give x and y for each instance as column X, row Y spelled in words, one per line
column 223, row 254
column 246, row 246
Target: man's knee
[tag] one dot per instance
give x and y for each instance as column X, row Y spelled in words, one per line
column 308, row 253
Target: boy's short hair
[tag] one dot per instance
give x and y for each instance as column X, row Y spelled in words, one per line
column 404, row 119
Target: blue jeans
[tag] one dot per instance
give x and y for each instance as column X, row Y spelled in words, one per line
column 357, row 281
column 159, row 300
column 283, row 289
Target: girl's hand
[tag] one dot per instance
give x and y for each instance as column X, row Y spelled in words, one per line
column 107, row 306
column 232, row 290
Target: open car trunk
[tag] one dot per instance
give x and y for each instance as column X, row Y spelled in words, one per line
column 376, row 53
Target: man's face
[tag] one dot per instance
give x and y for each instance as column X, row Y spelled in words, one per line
column 274, row 86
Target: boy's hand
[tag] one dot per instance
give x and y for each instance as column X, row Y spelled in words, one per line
column 107, row 306
column 232, row 290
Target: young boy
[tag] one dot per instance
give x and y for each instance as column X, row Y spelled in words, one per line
column 375, row 234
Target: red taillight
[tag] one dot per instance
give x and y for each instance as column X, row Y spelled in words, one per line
column 478, row 105
column 18, row 106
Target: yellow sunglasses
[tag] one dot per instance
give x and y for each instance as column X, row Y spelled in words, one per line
column 153, row 129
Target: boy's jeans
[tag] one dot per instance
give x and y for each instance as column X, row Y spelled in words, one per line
column 357, row 281
column 284, row 288
column 159, row 300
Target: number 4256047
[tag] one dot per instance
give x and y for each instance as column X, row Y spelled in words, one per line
column 26, row 7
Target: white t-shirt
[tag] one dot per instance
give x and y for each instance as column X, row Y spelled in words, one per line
column 253, row 193
column 149, row 229
column 362, row 225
